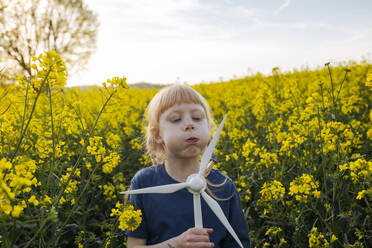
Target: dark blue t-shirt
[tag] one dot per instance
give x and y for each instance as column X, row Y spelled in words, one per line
column 165, row 216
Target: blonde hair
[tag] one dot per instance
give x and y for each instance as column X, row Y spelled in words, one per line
column 164, row 99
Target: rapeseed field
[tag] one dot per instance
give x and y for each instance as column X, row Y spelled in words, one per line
column 296, row 144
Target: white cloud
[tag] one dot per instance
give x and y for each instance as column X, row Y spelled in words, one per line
column 143, row 20
column 282, row 7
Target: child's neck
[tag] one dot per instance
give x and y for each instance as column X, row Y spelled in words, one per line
column 180, row 169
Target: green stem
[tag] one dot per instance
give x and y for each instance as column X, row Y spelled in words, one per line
column 326, row 224
column 338, row 92
column 4, row 95
column 333, row 96
column 29, row 119
column 79, row 117
column 25, row 107
column 297, row 105
column 321, row 92
column 37, row 233
column 367, row 203
column 322, row 152
column 52, row 126
column 334, row 198
column 23, row 117
column 78, row 199
column 320, row 136
column 6, row 109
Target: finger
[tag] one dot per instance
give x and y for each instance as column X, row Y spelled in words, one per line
column 201, row 231
column 197, row 230
column 198, row 238
column 200, row 245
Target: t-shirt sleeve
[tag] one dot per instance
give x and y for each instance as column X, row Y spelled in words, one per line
column 238, row 223
column 137, row 201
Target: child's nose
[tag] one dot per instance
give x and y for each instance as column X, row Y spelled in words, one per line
column 189, row 126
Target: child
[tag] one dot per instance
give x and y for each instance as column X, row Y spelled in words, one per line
column 178, row 131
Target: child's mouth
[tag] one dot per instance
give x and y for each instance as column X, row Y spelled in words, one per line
column 192, row 140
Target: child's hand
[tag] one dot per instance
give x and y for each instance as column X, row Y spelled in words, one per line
column 194, row 238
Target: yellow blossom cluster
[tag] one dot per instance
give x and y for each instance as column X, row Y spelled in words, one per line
column 129, row 219
column 118, row 180
column 362, row 194
column 359, row 170
column 96, row 148
column 50, row 70
column 268, row 159
column 369, row 132
column 113, row 140
column 71, row 187
column 111, row 84
column 108, row 191
column 369, row 79
column 339, row 134
column 272, row 191
column 274, row 230
column 99, row 151
column 110, row 162
column 317, row 239
column 16, row 179
column 274, row 235
column 304, row 186
column 250, row 149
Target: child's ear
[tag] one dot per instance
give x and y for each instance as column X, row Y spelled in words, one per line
column 155, row 133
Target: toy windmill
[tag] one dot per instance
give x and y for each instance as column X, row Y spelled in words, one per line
column 196, row 184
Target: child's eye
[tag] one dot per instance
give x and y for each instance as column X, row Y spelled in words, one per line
column 196, row 118
column 176, row 120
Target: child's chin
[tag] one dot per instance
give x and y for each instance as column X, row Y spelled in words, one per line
column 193, row 152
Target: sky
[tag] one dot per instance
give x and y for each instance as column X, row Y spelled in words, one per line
column 202, row 41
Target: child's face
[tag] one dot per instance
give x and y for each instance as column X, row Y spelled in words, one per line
column 183, row 130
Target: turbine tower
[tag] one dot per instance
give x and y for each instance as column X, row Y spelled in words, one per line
column 196, row 184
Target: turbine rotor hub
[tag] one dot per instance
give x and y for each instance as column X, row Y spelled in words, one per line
column 197, row 183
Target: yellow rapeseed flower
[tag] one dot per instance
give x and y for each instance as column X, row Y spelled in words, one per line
column 47, row 199
column 361, row 194
column 130, row 219
column 302, row 187
column 369, row 80
column 333, row 238
column 317, row 239
column 274, row 230
column 49, row 65
column 17, row 210
column 33, row 200
column 359, row 170
column 271, row 191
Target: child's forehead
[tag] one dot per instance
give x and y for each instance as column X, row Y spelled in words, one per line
column 180, row 107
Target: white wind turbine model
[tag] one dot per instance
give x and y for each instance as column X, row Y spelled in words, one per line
column 196, row 184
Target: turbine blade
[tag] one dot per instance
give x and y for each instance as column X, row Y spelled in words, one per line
column 163, row 189
column 208, row 152
column 197, row 211
column 220, row 215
